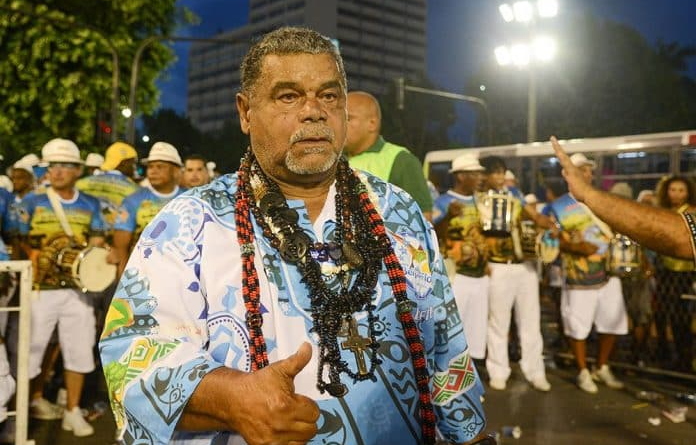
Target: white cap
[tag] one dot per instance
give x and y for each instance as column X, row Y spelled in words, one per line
column 468, row 162
column 61, row 150
column 579, row 159
column 6, row 183
column 94, row 160
column 509, row 175
column 26, row 163
column 162, row 151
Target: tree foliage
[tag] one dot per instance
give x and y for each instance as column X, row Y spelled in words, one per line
column 606, row 80
column 56, row 70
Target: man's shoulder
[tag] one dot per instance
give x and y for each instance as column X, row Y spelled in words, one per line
column 215, row 192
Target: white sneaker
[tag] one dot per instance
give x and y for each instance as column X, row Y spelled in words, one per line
column 584, row 381
column 498, row 384
column 42, row 409
column 605, row 376
column 541, row 384
column 73, row 421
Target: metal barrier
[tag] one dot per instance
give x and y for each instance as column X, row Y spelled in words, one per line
column 21, row 412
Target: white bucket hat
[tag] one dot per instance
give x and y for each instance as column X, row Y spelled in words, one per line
column 162, row 151
column 61, row 150
column 94, row 160
column 467, row 162
column 579, row 159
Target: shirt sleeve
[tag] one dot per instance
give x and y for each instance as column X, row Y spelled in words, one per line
column 407, row 173
column 25, row 210
column 153, row 346
column 439, row 209
column 125, row 217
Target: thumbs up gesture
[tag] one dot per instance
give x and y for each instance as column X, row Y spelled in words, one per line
column 270, row 411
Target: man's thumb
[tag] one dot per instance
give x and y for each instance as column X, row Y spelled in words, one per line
column 292, row 365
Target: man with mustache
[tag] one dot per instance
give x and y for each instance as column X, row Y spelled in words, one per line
column 290, row 303
column 367, row 150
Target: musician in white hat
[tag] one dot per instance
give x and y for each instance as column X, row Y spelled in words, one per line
column 592, row 296
column 60, row 217
column 93, row 163
column 462, row 243
column 137, row 210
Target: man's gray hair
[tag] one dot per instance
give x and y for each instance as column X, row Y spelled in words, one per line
column 286, row 41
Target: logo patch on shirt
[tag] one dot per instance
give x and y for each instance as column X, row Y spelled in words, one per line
column 415, row 261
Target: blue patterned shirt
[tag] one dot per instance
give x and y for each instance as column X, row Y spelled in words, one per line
column 178, row 313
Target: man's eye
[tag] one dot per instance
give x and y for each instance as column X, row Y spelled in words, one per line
column 329, row 97
column 288, row 97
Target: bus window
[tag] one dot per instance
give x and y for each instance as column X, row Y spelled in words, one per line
column 687, row 162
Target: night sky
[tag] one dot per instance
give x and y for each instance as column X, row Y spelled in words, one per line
column 461, row 33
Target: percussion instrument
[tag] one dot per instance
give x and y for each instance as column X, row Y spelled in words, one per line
column 623, row 257
column 547, row 247
column 528, row 239
column 65, row 264
column 495, row 210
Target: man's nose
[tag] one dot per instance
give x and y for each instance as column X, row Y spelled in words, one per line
column 313, row 109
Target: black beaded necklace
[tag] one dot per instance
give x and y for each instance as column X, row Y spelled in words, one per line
column 332, row 311
column 365, row 246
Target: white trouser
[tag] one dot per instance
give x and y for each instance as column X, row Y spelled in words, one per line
column 471, row 295
column 602, row 306
column 71, row 312
column 514, row 285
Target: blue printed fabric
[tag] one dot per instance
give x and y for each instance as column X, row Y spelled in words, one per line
column 178, row 313
column 138, row 209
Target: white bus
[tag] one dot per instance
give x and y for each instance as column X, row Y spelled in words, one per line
column 640, row 160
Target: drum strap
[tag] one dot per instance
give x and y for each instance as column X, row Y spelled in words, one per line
column 58, row 209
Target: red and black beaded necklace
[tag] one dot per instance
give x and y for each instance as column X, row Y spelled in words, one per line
column 364, row 245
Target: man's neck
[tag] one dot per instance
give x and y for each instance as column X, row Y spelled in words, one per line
column 164, row 189
column 463, row 190
column 66, row 193
column 365, row 146
column 313, row 194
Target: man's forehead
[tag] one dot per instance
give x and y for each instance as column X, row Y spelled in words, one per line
column 280, row 68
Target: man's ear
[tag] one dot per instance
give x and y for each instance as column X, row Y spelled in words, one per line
column 244, row 112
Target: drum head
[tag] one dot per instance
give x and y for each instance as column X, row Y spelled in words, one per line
column 94, row 274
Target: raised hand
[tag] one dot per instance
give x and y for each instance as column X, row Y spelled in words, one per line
column 271, row 412
column 572, row 174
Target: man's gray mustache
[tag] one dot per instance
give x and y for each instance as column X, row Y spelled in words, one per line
column 313, row 133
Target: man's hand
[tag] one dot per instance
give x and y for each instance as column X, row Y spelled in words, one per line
column 572, row 174
column 270, row 411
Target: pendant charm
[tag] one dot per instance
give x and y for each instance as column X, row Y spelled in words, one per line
column 357, row 345
column 352, row 255
column 294, row 247
column 337, row 389
column 289, row 215
column 335, row 252
column 271, row 200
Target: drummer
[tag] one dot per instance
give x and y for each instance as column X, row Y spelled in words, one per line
column 591, row 295
column 513, row 283
column 59, row 302
column 458, row 228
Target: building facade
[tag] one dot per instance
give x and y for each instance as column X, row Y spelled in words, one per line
column 379, row 40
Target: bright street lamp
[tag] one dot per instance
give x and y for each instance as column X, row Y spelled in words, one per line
column 502, row 55
column 547, row 8
column 544, row 48
column 126, row 112
column 520, row 54
column 146, row 138
column 524, row 12
column 506, row 12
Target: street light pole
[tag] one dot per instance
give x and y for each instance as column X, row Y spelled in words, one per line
column 532, row 106
column 135, row 73
column 114, row 57
column 401, row 86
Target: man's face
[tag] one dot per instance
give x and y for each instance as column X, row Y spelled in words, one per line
column 496, row 179
column 195, row 173
column 296, row 117
column 361, row 123
column 63, row 175
column 161, row 173
column 677, row 193
column 470, row 180
column 22, row 180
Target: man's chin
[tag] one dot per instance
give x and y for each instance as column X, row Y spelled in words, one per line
column 307, row 166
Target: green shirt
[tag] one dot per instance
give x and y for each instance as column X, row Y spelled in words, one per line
column 397, row 165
